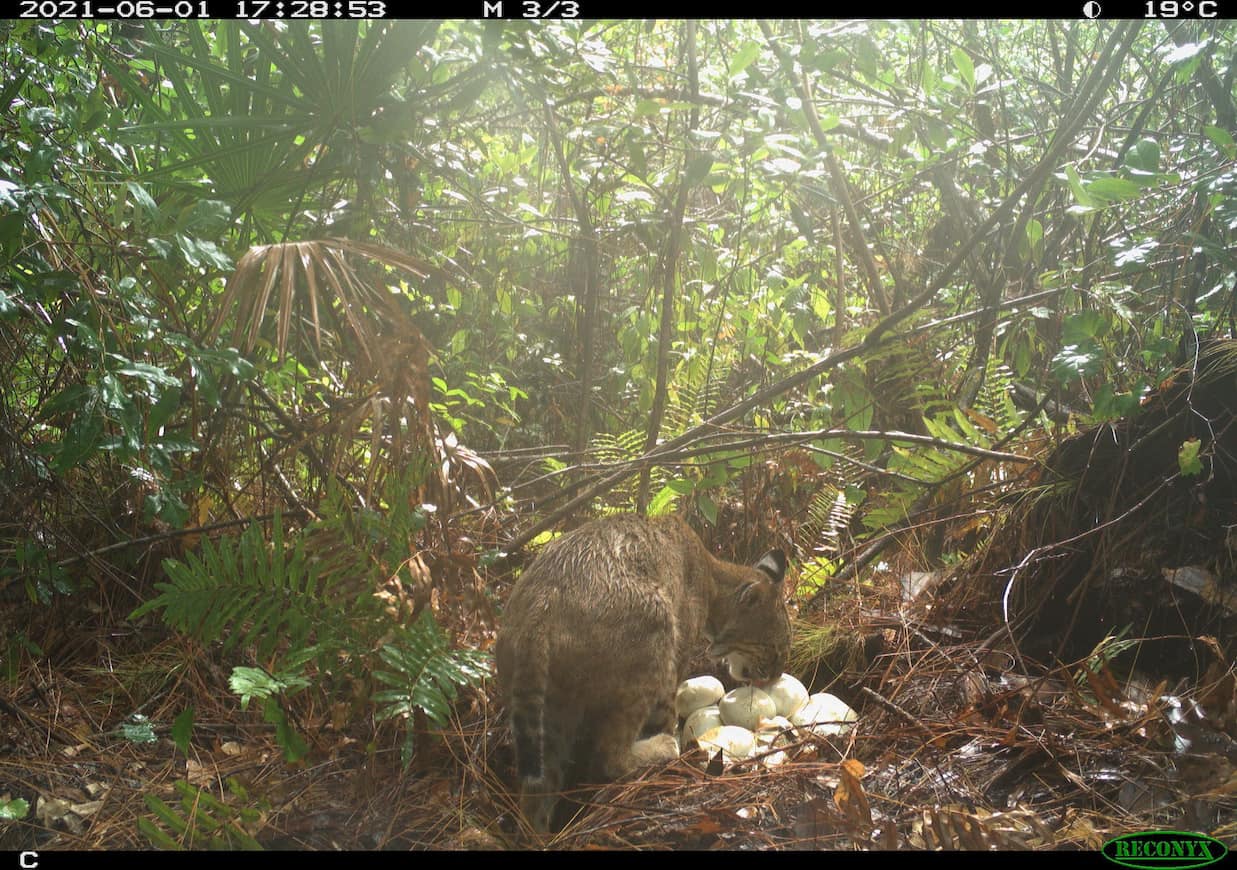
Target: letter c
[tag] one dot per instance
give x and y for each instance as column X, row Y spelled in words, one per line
column 28, row 860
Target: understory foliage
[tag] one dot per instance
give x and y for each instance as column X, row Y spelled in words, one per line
column 307, row 326
column 314, row 616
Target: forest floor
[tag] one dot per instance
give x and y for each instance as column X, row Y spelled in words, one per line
column 953, row 750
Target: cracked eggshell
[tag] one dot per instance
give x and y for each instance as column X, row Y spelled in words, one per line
column 771, row 729
column 735, row 743
column 746, row 706
column 788, row 694
column 826, row 715
column 700, row 721
column 696, row 693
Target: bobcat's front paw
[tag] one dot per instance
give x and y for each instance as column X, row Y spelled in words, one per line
column 655, row 749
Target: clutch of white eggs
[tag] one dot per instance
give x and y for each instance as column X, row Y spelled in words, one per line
column 750, row 721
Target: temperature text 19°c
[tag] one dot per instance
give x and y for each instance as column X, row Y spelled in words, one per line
column 1180, row 8
column 534, row 8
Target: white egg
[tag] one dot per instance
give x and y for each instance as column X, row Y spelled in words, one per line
column 699, row 722
column 746, row 706
column 773, row 759
column 788, row 694
column 826, row 715
column 734, row 742
column 696, row 693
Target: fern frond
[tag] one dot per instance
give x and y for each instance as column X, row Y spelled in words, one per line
column 242, row 591
column 996, row 397
column 425, row 673
column 202, row 820
column 828, row 516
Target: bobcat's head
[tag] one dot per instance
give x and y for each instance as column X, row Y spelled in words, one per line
column 753, row 634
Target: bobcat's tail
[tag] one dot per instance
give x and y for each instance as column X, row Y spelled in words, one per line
column 528, row 695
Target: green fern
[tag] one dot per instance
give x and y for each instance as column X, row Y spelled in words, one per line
column 696, row 393
column 202, row 821
column 307, row 602
column 277, row 593
column 828, row 517
column 996, row 398
column 425, row 674
column 617, row 448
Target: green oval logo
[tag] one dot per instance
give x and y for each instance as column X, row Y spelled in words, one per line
column 1154, row 850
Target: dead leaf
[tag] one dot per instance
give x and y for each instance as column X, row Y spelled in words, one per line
column 849, row 796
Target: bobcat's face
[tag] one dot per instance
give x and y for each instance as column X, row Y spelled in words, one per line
column 754, row 641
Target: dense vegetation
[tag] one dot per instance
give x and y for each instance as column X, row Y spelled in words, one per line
column 306, row 329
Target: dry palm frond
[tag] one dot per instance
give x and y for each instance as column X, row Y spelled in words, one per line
column 327, row 286
column 316, row 280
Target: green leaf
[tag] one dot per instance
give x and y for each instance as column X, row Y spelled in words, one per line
column 707, row 507
column 1075, row 361
column 14, row 809
column 157, row 836
column 293, row 745
column 12, row 231
column 1081, row 196
column 148, row 373
column 662, row 502
column 1183, row 53
column 1223, row 140
column 1033, row 243
column 1188, row 459
column 200, row 253
column 1114, row 189
column 698, row 168
column 966, row 67
column 743, row 58
column 253, row 683
column 209, row 217
column 1145, row 155
column 143, row 199
column 1111, row 405
column 182, row 730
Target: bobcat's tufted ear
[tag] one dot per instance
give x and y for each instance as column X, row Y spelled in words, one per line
column 773, row 563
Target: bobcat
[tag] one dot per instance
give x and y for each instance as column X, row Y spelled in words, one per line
column 599, row 631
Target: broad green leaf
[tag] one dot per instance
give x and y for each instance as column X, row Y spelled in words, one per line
column 707, row 507
column 1222, row 139
column 143, row 199
column 1081, row 196
column 1032, row 244
column 698, row 168
column 1113, row 189
column 743, row 58
column 293, row 745
column 966, row 67
column 182, row 730
column 1145, row 155
column 148, row 373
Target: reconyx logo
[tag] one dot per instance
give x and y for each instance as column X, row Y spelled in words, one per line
column 1154, row 850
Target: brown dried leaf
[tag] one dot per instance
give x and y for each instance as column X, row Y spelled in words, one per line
column 849, row 796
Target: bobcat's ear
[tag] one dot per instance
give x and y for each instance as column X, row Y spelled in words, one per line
column 773, row 563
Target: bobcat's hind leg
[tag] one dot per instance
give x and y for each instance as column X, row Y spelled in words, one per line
column 619, row 747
